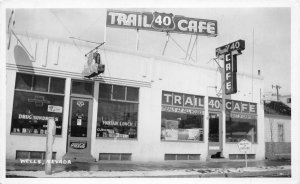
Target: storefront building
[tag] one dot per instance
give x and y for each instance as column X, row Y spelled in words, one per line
column 142, row 108
column 277, row 130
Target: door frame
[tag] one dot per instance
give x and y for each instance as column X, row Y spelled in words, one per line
column 89, row 127
column 220, row 142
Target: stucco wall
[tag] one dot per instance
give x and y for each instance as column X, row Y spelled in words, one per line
column 152, row 74
column 271, row 128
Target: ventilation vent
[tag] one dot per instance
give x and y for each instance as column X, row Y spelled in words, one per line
column 182, row 156
column 241, row 156
column 33, row 155
column 114, row 156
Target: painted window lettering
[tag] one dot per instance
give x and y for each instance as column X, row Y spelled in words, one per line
column 181, row 99
column 232, row 106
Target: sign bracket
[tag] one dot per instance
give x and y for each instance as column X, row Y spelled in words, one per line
column 94, row 48
column 167, row 41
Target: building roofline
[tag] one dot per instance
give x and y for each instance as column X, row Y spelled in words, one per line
column 138, row 53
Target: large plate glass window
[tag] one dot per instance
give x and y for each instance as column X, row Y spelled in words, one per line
column 182, row 117
column 117, row 111
column 36, row 99
column 239, row 129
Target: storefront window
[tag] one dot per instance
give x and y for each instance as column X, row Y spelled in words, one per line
column 32, row 108
column 57, row 85
column 176, row 126
column 239, row 129
column 23, row 81
column 117, row 118
column 40, row 83
column 182, row 117
column 118, row 92
column 82, row 88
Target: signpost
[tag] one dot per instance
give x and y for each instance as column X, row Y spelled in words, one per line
column 244, row 146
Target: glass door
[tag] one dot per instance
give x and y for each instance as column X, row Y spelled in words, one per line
column 79, row 130
column 214, row 135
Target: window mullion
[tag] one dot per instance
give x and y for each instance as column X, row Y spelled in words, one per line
column 49, row 81
column 32, row 79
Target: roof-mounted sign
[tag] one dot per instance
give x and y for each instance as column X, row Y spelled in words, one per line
column 156, row 21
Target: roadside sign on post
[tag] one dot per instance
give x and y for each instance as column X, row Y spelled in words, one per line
column 244, row 146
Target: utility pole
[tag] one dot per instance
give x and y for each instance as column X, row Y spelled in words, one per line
column 277, row 90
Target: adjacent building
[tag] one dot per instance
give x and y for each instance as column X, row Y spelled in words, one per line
column 277, row 130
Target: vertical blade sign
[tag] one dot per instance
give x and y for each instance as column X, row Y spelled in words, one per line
column 229, row 54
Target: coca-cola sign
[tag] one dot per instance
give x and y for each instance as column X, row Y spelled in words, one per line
column 78, row 145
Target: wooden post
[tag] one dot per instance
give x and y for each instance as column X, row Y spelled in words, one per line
column 50, row 139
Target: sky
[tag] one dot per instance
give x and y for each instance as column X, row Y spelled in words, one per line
column 266, row 31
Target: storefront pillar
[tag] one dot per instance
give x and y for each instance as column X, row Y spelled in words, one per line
column 65, row 116
column 206, row 125
column 94, row 120
column 222, row 130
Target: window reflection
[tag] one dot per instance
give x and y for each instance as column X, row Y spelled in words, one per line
column 40, row 83
column 239, row 129
column 117, row 119
column 33, row 105
column 83, row 88
column 176, row 126
column 32, row 110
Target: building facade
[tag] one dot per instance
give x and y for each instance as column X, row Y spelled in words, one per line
column 277, row 130
column 142, row 108
column 286, row 99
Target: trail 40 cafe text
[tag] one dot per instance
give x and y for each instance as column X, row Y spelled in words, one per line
column 156, row 21
column 236, row 109
column 229, row 53
column 182, row 103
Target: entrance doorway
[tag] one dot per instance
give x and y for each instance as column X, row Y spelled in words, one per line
column 79, row 130
column 214, row 135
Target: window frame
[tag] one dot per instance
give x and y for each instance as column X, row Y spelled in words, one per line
column 82, row 95
column 186, row 141
column 256, row 123
column 117, row 100
column 111, row 99
column 38, row 92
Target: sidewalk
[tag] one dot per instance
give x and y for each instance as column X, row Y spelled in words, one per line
column 154, row 169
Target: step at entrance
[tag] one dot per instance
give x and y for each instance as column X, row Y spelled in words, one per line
column 79, row 157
